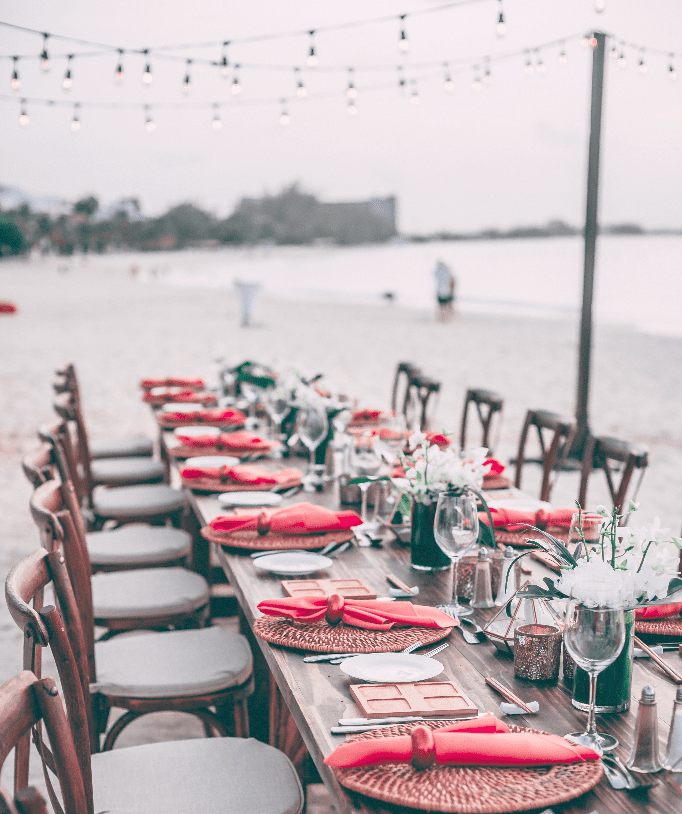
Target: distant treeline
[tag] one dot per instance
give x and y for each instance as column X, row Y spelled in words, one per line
column 290, row 217
column 555, row 228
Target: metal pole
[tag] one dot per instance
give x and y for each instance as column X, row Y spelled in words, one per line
column 599, row 43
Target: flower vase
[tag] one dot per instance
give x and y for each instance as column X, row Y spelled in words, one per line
column 613, row 683
column 425, row 553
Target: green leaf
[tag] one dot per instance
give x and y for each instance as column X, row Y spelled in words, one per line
column 674, row 585
column 367, row 479
column 404, row 505
column 536, row 592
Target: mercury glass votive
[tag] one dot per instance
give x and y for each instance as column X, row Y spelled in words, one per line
column 537, row 651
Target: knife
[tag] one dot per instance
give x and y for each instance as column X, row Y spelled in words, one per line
column 393, row 720
column 347, row 730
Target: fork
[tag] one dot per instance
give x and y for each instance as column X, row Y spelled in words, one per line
column 408, row 649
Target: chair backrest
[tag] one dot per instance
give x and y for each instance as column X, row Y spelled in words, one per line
column 68, row 410
column 404, row 374
column 488, row 404
column 39, row 465
column 66, row 458
column 618, row 459
column 25, row 702
column 423, row 396
column 555, row 434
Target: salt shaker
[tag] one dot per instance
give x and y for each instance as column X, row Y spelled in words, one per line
column 483, row 589
column 673, row 754
column 643, row 755
column 508, row 578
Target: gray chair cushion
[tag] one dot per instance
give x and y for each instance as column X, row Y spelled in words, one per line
column 202, row 776
column 148, row 592
column 137, row 545
column 172, row 664
column 127, row 471
column 125, row 446
column 125, row 502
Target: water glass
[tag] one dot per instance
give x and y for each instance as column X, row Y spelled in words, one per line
column 455, row 530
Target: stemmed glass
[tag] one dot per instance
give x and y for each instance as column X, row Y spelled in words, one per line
column 312, row 430
column 250, row 393
column 392, row 436
column 455, row 529
column 276, row 404
column 594, row 636
column 364, row 462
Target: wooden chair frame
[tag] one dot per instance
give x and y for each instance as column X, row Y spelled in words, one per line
column 425, row 392
column 404, row 375
column 554, row 454
column 604, row 452
column 482, row 399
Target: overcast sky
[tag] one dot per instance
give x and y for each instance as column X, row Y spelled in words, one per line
column 513, row 153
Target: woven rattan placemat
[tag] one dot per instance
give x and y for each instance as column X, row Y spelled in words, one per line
column 253, row 541
column 214, row 485
column 469, row 789
column 186, row 451
column 321, row 637
column 497, row 482
column 518, row 538
column 193, row 421
column 670, row 626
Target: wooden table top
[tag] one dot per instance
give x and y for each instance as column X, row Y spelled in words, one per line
column 318, row 694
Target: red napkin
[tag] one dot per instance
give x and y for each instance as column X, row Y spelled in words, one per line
column 366, row 415
column 438, row 439
column 301, row 518
column 180, row 395
column 466, row 744
column 236, row 441
column 176, row 381
column 251, row 475
column 496, row 468
column 228, row 416
column 658, row 611
column 506, row 518
column 370, row 614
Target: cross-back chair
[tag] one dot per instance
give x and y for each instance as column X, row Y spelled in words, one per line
column 182, row 670
column 196, row 776
column 555, row 434
column 404, row 374
column 126, row 446
column 618, row 459
column 422, row 401
column 488, row 405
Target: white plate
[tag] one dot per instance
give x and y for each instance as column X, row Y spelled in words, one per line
column 250, row 499
column 192, row 432
column 292, row 563
column 212, row 460
column 387, row 668
column 181, row 407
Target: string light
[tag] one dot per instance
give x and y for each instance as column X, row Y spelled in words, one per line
column 414, row 96
column 149, row 123
column 585, row 41
column 66, row 84
column 622, row 62
column 16, row 82
column 477, row 85
column 147, row 75
column 224, row 64
column 236, row 87
column 216, row 124
column 672, row 73
column 528, row 67
column 599, row 6
column 301, row 91
column 487, row 75
column 118, row 75
column 402, row 85
column 311, row 62
column 403, row 43
column 448, row 84
column 614, row 49
column 540, row 66
column 45, row 59
column 284, row 119
column 351, row 90
column 75, row 122
column 642, row 64
column 188, row 79
column 23, row 115
column 351, row 109
column 563, row 59
column 501, row 27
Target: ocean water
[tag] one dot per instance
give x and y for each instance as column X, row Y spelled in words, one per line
column 638, row 278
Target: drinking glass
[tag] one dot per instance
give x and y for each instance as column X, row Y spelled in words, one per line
column 277, row 404
column 585, row 525
column 392, row 437
column 250, row 393
column 365, row 462
column 312, row 430
column 594, row 636
column 455, row 529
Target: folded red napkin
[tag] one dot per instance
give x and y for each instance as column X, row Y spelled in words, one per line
column 228, row 416
column 366, row 415
column 370, row 614
column 495, row 468
column 301, row 518
column 464, row 744
column 542, row 519
column 236, row 441
column 251, row 475
column 438, row 439
column 659, row 611
column 179, row 395
column 173, row 381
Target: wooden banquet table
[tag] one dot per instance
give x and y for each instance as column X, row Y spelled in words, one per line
column 315, row 696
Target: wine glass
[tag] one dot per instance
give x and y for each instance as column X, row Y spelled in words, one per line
column 392, row 436
column 312, row 430
column 365, row 462
column 584, row 526
column 455, row 529
column 250, row 393
column 276, row 404
column 594, row 636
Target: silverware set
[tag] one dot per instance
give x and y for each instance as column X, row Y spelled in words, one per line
column 330, row 550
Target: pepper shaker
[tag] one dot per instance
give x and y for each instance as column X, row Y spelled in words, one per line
column 508, row 585
column 483, row 589
column 673, row 754
column 643, row 756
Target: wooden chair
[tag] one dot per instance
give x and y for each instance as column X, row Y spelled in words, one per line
column 404, row 374
column 555, row 434
column 423, row 397
column 183, row 670
column 212, row 775
column 488, row 404
column 618, row 459
column 26, row 702
column 128, row 446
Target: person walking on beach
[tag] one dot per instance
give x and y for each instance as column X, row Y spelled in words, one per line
column 445, row 292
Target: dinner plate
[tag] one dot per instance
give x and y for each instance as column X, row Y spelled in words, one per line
column 250, row 498
column 387, row 668
column 292, row 563
column 193, row 431
column 181, row 407
column 212, row 460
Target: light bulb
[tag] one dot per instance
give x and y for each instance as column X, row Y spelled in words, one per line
column 476, row 84
column 585, row 41
column 599, row 6
column 66, row 84
column 351, row 92
column 224, row 67
column 643, row 69
column 448, row 84
column 311, row 62
column 541, row 67
column 118, row 76
column 501, row 27
column 351, row 109
column 488, row 77
column 45, row 61
column 403, row 43
column 188, row 79
column 614, row 51
column 236, row 87
column 16, row 82
column 301, row 91
column 75, row 125
column 622, row 62
column 150, row 125
column 563, row 59
column 528, row 68
column 672, row 73
column 147, row 75
column 23, row 116
column 414, row 98
column 217, row 124
column 284, row 119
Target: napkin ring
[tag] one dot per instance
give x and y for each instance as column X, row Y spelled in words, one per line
column 224, row 473
column 423, row 747
column 335, row 606
column 541, row 518
column 263, row 523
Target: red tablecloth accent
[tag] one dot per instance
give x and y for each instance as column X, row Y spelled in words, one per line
column 228, row 416
column 495, row 468
column 366, row 415
column 236, row 441
column 512, row 519
column 659, row 611
column 173, row 381
column 249, row 475
column 301, row 518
